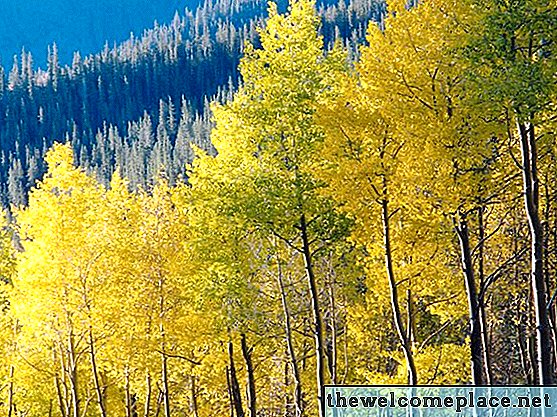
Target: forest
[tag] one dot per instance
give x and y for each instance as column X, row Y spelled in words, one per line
column 138, row 105
column 359, row 213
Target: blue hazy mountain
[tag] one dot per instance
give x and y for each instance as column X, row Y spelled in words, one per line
column 83, row 25
column 140, row 103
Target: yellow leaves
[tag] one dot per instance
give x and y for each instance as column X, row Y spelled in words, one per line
column 445, row 364
column 408, row 64
column 183, row 269
column 437, row 364
column 401, row 130
column 60, row 157
column 61, row 218
column 285, row 36
column 106, row 261
column 397, row 7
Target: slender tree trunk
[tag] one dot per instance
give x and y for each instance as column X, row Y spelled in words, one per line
column 531, row 345
column 234, row 385
column 65, row 371
column 127, row 393
column 553, row 306
column 539, row 290
column 317, row 320
column 194, row 397
column 553, row 328
column 73, row 375
column 160, row 396
column 345, row 354
column 148, row 390
column 485, row 346
column 397, row 316
column 482, row 302
column 287, row 397
column 246, row 352
column 11, row 392
column 290, row 343
column 164, row 359
column 98, row 389
column 409, row 313
column 230, row 394
column 12, row 369
column 332, row 347
column 528, row 366
column 61, row 403
column 473, row 304
column 166, row 393
column 547, row 268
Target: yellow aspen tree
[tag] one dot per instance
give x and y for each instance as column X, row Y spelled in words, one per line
column 58, row 282
column 266, row 140
column 511, row 53
column 159, row 333
column 407, row 122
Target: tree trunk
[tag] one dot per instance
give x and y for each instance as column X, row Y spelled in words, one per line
column 539, row 291
column 234, row 385
column 531, row 345
column 547, row 269
column 332, row 352
column 246, row 352
column 159, row 403
column 482, row 302
column 289, row 343
column 476, row 354
column 127, row 393
column 410, row 322
column 61, row 403
column 148, row 390
column 317, row 320
column 485, row 345
column 98, row 389
column 166, row 393
column 230, row 394
column 63, row 382
column 11, row 392
column 73, row 375
column 397, row 316
column 164, row 359
column 345, row 354
column 134, row 405
column 287, row 397
column 194, row 398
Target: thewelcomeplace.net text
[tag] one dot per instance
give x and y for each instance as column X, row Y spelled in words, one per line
column 458, row 403
column 439, row 401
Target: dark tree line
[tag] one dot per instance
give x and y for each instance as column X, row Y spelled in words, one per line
column 138, row 105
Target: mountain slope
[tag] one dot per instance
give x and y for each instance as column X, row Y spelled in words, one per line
column 139, row 105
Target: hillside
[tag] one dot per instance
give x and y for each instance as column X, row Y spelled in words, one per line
column 110, row 104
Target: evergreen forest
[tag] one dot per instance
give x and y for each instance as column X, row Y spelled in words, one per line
column 225, row 214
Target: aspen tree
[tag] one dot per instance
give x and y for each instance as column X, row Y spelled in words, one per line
column 511, row 51
column 266, row 140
